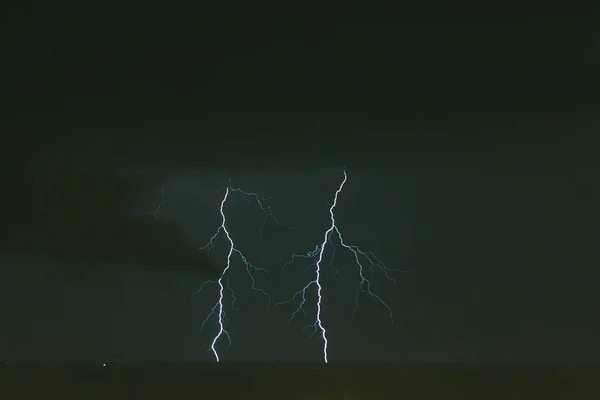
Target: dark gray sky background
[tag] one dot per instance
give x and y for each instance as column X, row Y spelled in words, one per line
column 503, row 267
column 472, row 153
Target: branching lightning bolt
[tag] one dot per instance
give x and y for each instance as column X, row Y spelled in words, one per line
column 218, row 307
column 364, row 260
column 363, row 286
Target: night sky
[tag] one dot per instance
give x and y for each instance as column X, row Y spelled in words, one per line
column 471, row 156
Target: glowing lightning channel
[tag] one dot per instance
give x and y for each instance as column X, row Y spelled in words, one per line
column 363, row 286
column 162, row 201
column 218, row 308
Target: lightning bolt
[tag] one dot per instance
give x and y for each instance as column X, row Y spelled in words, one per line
column 218, row 308
column 162, row 201
column 363, row 286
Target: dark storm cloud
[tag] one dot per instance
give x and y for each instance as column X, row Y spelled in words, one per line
column 498, row 261
column 65, row 210
column 137, row 74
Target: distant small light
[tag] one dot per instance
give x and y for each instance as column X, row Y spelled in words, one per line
column 104, row 365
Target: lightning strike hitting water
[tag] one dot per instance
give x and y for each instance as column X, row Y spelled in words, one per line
column 363, row 286
column 218, row 308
